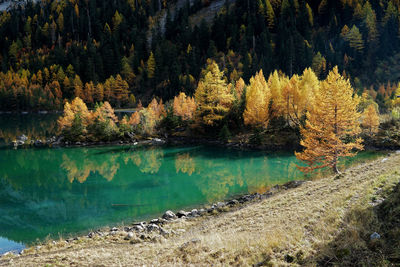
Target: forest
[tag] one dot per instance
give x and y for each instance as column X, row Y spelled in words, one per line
column 124, row 51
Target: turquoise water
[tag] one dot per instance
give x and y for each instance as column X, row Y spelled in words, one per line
column 69, row 190
column 66, row 191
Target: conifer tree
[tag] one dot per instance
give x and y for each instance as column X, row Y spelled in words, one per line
column 258, row 96
column 212, row 96
column 370, row 120
column 184, row 106
column 151, row 66
column 331, row 125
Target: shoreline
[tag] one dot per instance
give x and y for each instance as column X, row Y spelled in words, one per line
column 56, row 142
column 170, row 225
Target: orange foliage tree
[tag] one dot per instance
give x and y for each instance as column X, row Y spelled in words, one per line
column 184, row 106
column 333, row 120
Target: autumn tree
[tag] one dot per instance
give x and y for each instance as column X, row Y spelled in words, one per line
column 370, row 120
column 212, row 96
column 331, row 126
column 184, row 106
column 258, row 97
column 75, row 120
column 120, row 91
column 103, row 123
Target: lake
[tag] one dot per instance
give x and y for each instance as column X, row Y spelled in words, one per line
column 65, row 191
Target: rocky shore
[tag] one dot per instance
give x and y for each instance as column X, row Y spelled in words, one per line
column 155, row 229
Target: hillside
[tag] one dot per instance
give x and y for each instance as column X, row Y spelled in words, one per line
column 56, row 50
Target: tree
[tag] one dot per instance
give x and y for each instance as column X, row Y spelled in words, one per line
column 370, row 119
column 78, row 90
column 151, row 66
column 258, row 97
column 212, row 96
column 331, row 126
column 120, row 91
column 103, row 123
column 184, row 106
column 73, row 124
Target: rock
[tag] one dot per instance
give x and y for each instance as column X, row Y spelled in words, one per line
column 152, row 227
column 384, row 159
column 182, row 213
column 201, row 212
column 169, row 215
column 233, row 202
column 129, row 236
column 219, row 205
column 114, row 229
column 91, row 235
column 38, row 143
column 157, row 141
column 155, row 221
column 293, row 184
column 375, row 236
column 22, row 138
column 138, row 228
column 194, row 213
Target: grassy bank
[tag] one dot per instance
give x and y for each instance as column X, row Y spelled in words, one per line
column 324, row 222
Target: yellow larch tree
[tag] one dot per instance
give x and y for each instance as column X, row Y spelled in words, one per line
column 239, row 88
column 75, row 119
column 276, row 82
column 297, row 97
column 258, row 97
column 309, row 85
column 330, row 124
column 213, row 96
column 370, row 119
column 184, row 106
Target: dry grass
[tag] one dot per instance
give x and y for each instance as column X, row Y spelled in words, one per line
column 291, row 228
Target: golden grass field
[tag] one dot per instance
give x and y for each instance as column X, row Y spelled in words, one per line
column 313, row 224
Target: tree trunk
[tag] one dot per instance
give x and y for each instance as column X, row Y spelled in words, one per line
column 334, row 167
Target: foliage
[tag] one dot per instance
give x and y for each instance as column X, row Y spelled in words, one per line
column 330, row 125
column 73, row 124
column 184, row 106
column 213, row 96
column 370, row 120
column 258, row 97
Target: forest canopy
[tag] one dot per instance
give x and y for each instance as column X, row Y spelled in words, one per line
column 123, row 50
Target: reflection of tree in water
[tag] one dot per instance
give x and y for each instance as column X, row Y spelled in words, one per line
column 148, row 160
column 258, row 180
column 80, row 166
column 185, row 163
column 215, row 180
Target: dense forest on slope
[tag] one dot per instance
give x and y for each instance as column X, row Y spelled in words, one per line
column 120, row 50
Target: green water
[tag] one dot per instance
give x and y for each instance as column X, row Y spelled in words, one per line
column 66, row 191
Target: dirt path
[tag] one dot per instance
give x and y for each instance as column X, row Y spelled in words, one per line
column 290, row 226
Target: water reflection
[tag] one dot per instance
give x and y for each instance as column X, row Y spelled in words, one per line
column 68, row 190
